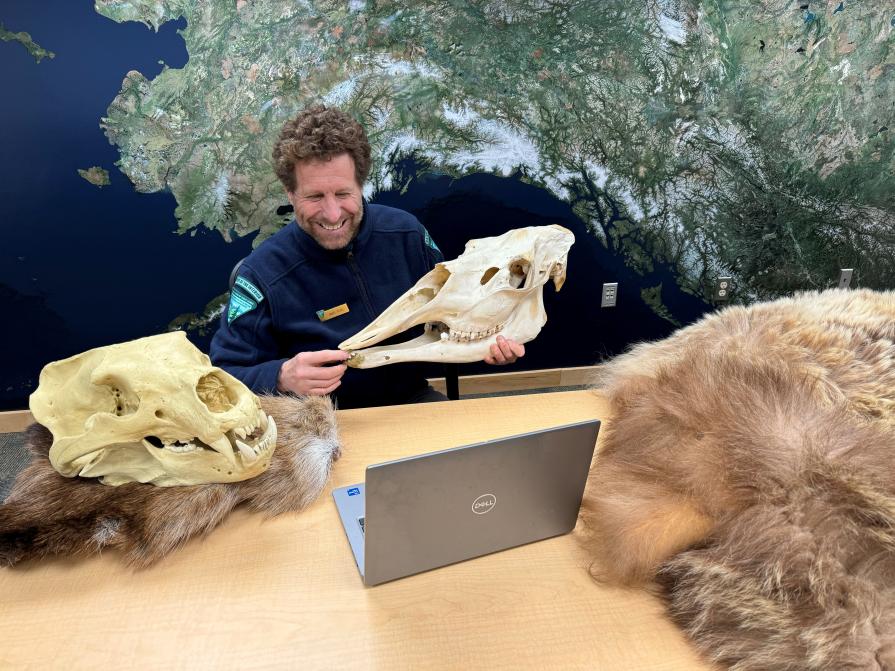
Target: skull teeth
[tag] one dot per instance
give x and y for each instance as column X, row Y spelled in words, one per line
column 456, row 335
column 186, row 447
column 223, row 446
column 260, row 422
column 249, row 455
column 244, row 432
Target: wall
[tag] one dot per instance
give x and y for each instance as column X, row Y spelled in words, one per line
column 680, row 140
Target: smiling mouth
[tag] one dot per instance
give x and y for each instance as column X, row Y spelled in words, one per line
column 332, row 227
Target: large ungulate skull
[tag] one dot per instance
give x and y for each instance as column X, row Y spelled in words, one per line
column 495, row 287
column 152, row 410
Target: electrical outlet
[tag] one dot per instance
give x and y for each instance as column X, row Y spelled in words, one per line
column 610, row 295
column 723, row 286
column 845, row 277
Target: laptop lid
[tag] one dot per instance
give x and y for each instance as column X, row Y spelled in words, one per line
column 443, row 507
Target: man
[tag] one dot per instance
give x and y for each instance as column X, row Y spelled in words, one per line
column 316, row 283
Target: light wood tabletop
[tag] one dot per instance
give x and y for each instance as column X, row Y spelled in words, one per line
column 285, row 593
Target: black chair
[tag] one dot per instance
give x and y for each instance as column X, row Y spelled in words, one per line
column 452, row 381
column 235, row 272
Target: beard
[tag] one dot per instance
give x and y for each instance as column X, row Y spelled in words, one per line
column 319, row 229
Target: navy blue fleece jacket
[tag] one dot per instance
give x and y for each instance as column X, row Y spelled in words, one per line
column 289, row 280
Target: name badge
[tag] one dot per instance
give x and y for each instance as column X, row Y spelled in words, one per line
column 325, row 315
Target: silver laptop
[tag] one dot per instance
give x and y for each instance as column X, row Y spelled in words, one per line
column 419, row 513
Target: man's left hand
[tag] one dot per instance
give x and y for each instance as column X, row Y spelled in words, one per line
column 504, row 351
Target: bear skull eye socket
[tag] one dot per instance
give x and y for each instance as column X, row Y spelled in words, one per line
column 213, row 392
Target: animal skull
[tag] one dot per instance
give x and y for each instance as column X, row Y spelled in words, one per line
column 495, row 287
column 152, row 410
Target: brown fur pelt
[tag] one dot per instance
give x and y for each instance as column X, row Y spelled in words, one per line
column 48, row 514
column 749, row 470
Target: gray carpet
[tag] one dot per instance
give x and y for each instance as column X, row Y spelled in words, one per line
column 13, row 458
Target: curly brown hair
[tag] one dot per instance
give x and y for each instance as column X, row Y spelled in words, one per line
column 320, row 133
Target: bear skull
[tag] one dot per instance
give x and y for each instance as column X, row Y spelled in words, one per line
column 151, row 410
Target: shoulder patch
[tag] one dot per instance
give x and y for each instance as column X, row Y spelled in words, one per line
column 244, row 297
column 430, row 242
column 250, row 288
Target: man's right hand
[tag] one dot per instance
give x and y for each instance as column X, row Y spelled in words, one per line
column 313, row 373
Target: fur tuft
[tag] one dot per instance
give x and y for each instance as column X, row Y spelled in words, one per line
column 747, row 469
column 48, row 514
column 307, row 446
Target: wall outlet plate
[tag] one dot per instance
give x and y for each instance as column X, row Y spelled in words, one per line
column 610, row 295
column 723, row 285
column 845, row 275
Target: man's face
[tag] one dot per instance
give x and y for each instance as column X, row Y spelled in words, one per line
column 328, row 200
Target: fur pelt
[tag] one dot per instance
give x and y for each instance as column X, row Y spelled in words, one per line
column 749, row 471
column 48, row 514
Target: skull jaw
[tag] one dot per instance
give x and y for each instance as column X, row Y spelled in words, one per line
column 405, row 313
column 119, row 467
column 431, row 347
column 428, row 347
column 123, row 463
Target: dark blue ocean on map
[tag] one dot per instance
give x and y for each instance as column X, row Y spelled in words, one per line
column 82, row 266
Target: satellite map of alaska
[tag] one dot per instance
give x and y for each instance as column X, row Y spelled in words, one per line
column 745, row 139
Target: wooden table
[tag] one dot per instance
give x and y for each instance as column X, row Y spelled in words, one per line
column 285, row 593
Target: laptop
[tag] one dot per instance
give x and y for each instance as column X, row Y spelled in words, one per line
column 422, row 512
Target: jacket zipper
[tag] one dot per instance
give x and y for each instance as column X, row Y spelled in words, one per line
column 359, row 279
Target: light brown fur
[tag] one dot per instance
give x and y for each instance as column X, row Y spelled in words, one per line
column 48, row 514
column 748, row 469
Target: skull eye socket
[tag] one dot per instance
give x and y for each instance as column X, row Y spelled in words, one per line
column 213, row 392
column 519, row 272
column 491, row 272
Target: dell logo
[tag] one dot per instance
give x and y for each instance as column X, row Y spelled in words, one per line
column 484, row 504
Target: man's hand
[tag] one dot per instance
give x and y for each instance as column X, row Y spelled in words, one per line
column 313, row 373
column 504, row 351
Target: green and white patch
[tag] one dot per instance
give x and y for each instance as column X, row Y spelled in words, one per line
column 244, row 298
